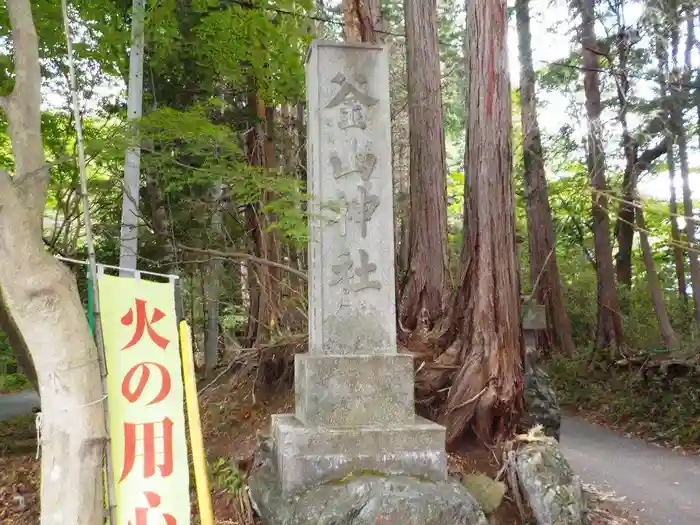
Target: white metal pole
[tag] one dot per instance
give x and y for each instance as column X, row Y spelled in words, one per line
column 128, row 246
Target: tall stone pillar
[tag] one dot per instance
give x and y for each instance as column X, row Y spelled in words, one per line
column 354, row 391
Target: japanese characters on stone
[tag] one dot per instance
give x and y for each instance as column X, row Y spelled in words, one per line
column 353, row 266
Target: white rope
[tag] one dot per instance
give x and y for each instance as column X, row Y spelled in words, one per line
column 38, row 421
column 91, row 403
column 119, row 268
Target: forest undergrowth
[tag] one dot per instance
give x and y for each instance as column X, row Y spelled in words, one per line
column 657, row 407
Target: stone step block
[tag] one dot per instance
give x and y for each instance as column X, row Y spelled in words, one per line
column 308, row 456
column 354, row 390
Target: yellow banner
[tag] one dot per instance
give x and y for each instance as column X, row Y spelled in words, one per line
column 145, row 401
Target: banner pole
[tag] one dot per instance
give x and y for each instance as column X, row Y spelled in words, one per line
column 90, row 303
column 199, row 462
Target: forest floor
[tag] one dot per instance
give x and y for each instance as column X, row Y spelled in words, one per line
column 233, row 414
column 664, row 411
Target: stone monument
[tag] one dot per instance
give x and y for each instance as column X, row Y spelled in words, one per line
column 353, row 390
column 541, row 405
column 534, row 320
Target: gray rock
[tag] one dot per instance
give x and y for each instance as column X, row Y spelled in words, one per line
column 363, row 499
column 553, row 492
column 541, row 405
column 488, row 492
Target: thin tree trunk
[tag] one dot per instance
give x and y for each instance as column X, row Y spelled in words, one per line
column 272, row 239
column 400, row 167
column 667, row 110
column 213, row 288
column 624, row 225
column 257, row 275
column 427, row 284
column 543, row 258
column 609, row 330
column 300, row 253
column 157, row 207
column 681, row 138
column 263, row 279
column 635, row 164
column 40, row 299
column 486, row 392
column 668, row 335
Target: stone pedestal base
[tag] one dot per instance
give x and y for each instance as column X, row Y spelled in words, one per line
column 346, row 391
column 362, row 499
column 308, row 456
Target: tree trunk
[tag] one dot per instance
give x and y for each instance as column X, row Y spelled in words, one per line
column 272, row 240
column 156, row 206
column 427, row 284
column 543, row 258
column 363, row 20
column 213, row 288
column 41, row 301
column 697, row 91
column 681, row 138
column 624, row 225
column 668, row 336
column 667, row 110
column 485, row 395
column 263, row 280
column 635, row 164
column 609, row 330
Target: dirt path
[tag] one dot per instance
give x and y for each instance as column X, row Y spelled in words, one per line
column 659, row 484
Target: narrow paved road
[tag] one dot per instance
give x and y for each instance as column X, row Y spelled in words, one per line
column 659, row 485
column 14, row 405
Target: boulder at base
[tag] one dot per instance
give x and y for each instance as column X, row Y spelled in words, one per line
column 365, row 499
column 553, row 492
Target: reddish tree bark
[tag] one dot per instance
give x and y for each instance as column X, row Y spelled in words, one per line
column 263, row 280
column 427, row 282
column 484, row 327
column 362, row 20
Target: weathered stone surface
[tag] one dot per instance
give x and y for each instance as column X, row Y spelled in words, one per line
column 554, row 493
column 351, row 248
column 354, row 390
column 364, row 499
column 355, row 407
column 534, row 316
column 307, row 456
column 541, row 405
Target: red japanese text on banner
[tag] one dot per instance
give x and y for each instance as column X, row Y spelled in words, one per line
column 145, row 401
